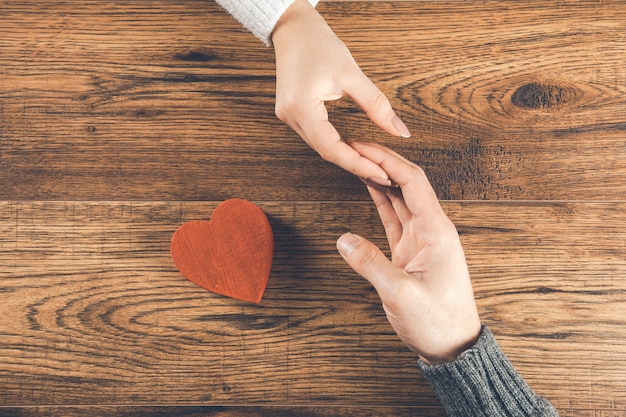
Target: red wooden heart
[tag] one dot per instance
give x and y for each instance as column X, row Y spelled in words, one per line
column 229, row 255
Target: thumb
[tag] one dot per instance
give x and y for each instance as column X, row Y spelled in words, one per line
column 368, row 261
column 376, row 105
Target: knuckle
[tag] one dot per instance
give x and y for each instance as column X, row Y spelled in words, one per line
column 281, row 113
column 381, row 101
column 418, row 171
column 366, row 257
column 327, row 153
column 285, row 106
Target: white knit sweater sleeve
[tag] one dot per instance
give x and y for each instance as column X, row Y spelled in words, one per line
column 258, row 16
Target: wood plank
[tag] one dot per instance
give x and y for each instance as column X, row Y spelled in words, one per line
column 200, row 411
column 174, row 101
column 99, row 315
column 508, row 100
column 206, row 411
column 95, row 287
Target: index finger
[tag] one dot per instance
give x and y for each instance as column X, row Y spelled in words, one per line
column 321, row 135
column 416, row 189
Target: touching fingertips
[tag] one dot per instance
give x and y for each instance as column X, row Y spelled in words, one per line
column 376, row 184
column 384, row 182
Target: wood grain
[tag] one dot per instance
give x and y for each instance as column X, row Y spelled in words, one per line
column 227, row 411
column 134, row 330
column 506, row 100
column 98, row 313
column 518, row 115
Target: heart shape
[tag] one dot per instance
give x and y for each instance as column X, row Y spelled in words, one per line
column 230, row 255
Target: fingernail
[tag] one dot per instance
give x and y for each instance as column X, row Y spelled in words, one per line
column 347, row 243
column 400, row 127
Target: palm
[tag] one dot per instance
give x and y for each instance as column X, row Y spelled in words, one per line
column 427, row 293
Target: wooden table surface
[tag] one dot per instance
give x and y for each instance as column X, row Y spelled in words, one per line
column 121, row 120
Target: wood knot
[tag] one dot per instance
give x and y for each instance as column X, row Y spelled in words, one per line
column 540, row 96
column 196, row 56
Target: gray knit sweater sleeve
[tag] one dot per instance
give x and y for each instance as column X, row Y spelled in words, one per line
column 258, row 16
column 483, row 383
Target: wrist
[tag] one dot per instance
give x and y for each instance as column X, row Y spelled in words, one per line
column 299, row 14
column 455, row 351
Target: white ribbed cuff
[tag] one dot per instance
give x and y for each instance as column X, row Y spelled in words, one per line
column 259, row 16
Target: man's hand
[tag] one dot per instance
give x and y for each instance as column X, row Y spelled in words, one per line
column 425, row 288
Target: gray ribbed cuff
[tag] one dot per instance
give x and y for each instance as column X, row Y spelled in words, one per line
column 482, row 382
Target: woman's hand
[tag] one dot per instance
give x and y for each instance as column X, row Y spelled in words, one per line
column 313, row 66
column 425, row 288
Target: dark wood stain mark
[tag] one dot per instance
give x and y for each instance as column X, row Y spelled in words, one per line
column 196, row 56
column 540, row 96
column 468, row 170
